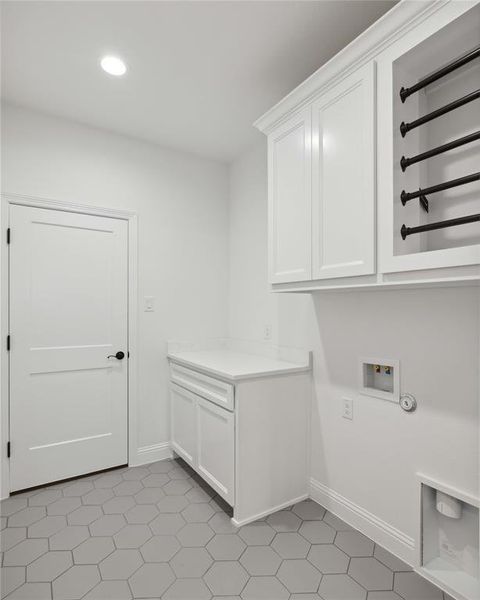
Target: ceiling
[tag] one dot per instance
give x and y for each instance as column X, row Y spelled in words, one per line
column 199, row 73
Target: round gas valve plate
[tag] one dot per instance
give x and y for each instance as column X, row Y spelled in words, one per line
column 408, row 402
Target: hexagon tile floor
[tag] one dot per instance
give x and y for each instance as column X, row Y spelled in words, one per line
column 159, row 532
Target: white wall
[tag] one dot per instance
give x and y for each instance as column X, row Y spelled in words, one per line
column 181, row 201
column 372, row 460
column 183, row 261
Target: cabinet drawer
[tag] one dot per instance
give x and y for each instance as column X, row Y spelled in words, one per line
column 215, row 390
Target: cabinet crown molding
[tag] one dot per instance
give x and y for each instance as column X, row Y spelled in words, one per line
column 390, row 27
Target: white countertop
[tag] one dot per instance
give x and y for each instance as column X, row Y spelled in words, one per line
column 235, row 366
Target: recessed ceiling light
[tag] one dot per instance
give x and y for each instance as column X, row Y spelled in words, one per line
column 113, row 65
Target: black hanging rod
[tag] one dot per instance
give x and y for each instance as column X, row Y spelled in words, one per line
column 406, row 231
column 407, row 196
column 456, row 64
column 472, row 137
column 406, row 127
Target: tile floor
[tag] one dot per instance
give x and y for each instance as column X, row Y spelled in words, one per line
column 159, row 532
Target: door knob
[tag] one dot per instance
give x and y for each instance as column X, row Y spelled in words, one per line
column 119, row 355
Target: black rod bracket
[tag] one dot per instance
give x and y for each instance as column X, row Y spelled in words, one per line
column 423, row 202
column 421, row 198
column 439, row 187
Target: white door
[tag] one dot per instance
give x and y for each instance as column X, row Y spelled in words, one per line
column 216, row 439
column 289, row 200
column 68, row 314
column 183, row 409
column 343, row 178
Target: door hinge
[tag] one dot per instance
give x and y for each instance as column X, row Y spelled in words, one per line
column 9, row 235
column 8, row 343
column 9, row 449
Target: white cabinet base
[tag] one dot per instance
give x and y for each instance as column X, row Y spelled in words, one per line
column 254, row 456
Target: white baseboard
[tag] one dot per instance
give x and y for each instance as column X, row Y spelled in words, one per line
column 149, row 454
column 265, row 513
column 394, row 540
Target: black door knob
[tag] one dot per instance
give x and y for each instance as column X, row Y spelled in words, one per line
column 119, row 355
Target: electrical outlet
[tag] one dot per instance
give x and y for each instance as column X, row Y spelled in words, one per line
column 267, row 332
column 347, row 408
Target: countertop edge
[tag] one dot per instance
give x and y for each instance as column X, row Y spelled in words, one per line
column 236, row 378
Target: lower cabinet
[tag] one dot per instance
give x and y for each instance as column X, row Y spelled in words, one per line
column 250, row 443
column 203, row 434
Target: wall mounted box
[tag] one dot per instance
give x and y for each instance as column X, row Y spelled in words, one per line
column 380, row 378
column 448, row 548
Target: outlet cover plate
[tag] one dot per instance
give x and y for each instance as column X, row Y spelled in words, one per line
column 347, row 410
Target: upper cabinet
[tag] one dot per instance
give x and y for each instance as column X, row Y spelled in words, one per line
column 370, row 185
column 290, row 200
column 343, row 178
column 321, row 186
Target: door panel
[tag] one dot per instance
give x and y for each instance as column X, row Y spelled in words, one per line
column 216, row 448
column 68, row 312
column 184, row 423
column 289, row 203
column 343, row 167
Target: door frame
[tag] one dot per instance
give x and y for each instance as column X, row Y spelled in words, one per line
column 131, row 217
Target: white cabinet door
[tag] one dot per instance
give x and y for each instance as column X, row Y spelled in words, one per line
column 183, row 413
column 343, row 178
column 216, row 448
column 289, row 200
